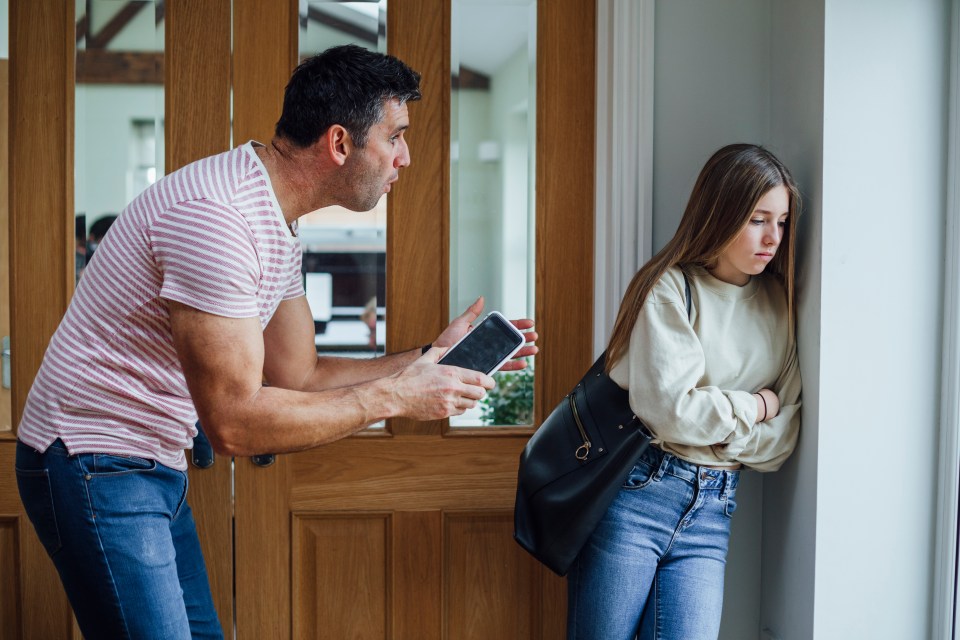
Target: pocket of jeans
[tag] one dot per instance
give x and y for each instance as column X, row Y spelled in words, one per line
column 106, row 464
column 730, row 504
column 37, row 497
column 640, row 476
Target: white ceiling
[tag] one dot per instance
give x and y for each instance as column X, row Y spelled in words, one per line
column 485, row 32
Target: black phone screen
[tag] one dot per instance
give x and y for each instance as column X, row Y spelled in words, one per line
column 485, row 347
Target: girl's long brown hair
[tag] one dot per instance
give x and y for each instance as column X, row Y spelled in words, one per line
column 726, row 192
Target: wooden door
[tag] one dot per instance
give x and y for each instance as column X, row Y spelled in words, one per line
column 36, row 121
column 43, row 34
column 401, row 534
column 407, row 533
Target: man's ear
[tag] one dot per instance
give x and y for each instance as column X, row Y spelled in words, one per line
column 338, row 143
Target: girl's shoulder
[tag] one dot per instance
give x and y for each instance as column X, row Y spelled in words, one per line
column 670, row 288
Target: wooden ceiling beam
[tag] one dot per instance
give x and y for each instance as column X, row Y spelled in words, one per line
column 98, row 66
column 116, row 24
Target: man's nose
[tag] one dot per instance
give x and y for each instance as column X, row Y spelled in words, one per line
column 403, row 158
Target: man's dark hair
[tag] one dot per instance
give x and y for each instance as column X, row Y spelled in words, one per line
column 99, row 228
column 346, row 85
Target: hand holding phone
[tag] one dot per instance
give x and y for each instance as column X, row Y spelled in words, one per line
column 487, row 347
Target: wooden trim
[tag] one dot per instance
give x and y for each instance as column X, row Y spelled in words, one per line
column 41, row 239
column 566, row 32
column 197, row 115
column 99, row 66
column 263, row 578
column 197, row 78
column 566, row 48
column 260, row 73
column 5, row 408
column 41, row 181
column 418, row 231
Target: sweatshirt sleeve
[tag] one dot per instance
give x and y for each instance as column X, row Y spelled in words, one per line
column 768, row 445
column 666, row 366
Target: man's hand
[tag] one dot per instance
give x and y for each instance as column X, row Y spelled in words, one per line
column 525, row 325
column 460, row 325
column 464, row 323
column 425, row 391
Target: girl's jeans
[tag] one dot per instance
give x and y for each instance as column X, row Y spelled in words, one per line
column 122, row 536
column 653, row 568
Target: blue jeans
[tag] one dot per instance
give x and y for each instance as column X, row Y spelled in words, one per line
column 653, row 568
column 123, row 539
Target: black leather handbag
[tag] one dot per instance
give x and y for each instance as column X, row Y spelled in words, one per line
column 574, row 466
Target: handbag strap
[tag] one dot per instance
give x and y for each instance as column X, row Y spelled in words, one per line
column 686, row 290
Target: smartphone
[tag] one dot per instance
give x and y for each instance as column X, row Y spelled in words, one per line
column 487, row 347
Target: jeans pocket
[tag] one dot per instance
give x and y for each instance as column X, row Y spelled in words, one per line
column 640, row 476
column 106, row 464
column 37, row 497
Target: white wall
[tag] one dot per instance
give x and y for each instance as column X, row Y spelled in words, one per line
column 711, row 88
column 883, row 220
column 712, row 70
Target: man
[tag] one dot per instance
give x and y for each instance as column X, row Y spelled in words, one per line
column 195, row 299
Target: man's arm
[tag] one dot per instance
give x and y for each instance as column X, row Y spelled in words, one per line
column 223, row 362
column 291, row 361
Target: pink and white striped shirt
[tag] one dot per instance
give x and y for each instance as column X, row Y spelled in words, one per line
column 210, row 236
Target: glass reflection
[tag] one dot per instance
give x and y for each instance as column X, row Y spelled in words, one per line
column 118, row 110
column 344, row 259
column 493, row 107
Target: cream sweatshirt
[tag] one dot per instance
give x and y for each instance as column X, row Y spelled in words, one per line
column 691, row 381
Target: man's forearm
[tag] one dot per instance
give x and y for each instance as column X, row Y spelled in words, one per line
column 333, row 373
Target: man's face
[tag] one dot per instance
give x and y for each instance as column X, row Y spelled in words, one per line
column 371, row 170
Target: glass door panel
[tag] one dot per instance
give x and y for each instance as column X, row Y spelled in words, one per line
column 119, row 107
column 492, row 156
column 344, row 260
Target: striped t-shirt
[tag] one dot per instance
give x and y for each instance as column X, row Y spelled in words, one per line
column 210, row 236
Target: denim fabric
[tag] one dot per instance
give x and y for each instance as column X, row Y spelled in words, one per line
column 123, row 539
column 653, row 568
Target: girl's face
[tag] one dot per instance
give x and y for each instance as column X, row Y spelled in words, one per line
column 757, row 243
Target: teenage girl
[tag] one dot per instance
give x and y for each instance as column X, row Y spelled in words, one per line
column 717, row 384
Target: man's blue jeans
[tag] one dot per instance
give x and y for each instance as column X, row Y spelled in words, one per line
column 653, row 568
column 122, row 536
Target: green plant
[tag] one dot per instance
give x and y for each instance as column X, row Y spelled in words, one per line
column 511, row 401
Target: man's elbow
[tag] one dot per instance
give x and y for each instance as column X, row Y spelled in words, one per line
column 225, row 436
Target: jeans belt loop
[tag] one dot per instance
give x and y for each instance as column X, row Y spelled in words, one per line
column 727, row 479
column 664, row 461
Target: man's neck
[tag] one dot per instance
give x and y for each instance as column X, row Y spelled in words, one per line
column 293, row 184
